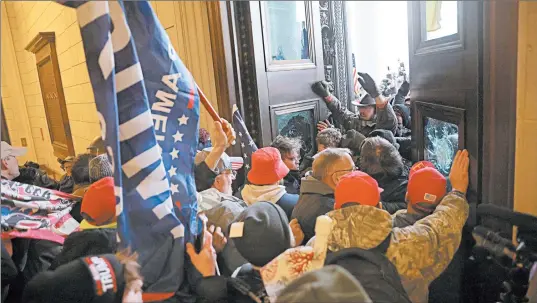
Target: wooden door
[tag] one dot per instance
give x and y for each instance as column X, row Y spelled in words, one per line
column 288, row 59
column 463, row 94
column 445, row 74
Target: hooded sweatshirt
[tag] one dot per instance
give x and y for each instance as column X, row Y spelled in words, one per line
column 255, row 193
column 420, row 252
column 271, row 193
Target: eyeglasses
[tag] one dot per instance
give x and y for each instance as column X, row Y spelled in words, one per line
column 354, row 168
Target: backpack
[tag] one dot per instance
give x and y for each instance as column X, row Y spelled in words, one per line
column 248, row 285
column 376, row 273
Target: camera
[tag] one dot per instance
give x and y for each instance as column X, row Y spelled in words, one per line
column 515, row 262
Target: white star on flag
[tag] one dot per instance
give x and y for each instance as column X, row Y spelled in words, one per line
column 247, row 166
column 183, row 120
column 172, row 171
column 242, row 144
column 174, row 153
column 240, row 134
column 245, row 156
column 178, row 136
column 251, row 143
column 174, row 188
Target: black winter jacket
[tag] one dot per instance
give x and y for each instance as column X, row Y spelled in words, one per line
column 316, row 199
column 393, row 196
column 86, row 243
column 292, row 182
column 376, row 273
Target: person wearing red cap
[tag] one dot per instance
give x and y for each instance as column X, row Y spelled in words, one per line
column 98, row 235
column 357, row 188
column 420, row 252
column 266, row 180
column 426, row 188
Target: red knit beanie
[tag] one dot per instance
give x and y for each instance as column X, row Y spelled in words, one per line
column 357, row 187
column 99, row 203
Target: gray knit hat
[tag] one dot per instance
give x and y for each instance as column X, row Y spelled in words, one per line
column 331, row 283
column 261, row 233
column 100, row 167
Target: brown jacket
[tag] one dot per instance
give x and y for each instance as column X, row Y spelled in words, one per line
column 420, row 252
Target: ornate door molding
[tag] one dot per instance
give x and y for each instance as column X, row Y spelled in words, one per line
column 333, row 29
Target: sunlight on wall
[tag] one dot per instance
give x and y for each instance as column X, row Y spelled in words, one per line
column 378, row 35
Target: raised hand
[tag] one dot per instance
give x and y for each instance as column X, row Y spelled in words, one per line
column 219, row 240
column 458, row 175
column 404, row 89
column 321, row 88
column 368, row 84
column 323, row 125
column 223, row 134
column 230, row 132
column 205, row 260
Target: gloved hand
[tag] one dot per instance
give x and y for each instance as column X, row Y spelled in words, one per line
column 404, row 89
column 321, row 88
column 368, row 84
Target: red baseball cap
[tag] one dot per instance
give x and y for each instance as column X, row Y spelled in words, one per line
column 426, row 185
column 99, row 202
column 267, row 167
column 357, row 187
column 418, row 166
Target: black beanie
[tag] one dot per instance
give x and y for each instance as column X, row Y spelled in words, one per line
column 353, row 141
column 386, row 134
column 264, row 233
column 89, row 279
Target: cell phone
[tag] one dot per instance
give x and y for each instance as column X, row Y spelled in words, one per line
column 201, row 222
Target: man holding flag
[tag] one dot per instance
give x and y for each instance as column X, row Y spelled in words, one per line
column 148, row 105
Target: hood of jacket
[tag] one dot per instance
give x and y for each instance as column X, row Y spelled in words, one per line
column 365, row 227
column 255, row 193
column 310, row 185
column 404, row 111
column 394, row 188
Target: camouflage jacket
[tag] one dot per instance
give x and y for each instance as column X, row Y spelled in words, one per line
column 384, row 119
column 420, row 252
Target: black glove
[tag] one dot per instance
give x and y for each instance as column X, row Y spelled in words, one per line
column 368, row 84
column 321, row 88
column 403, row 90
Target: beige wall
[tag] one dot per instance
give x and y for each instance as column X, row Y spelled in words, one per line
column 185, row 22
column 526, row 137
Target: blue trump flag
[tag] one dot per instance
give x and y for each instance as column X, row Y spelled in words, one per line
column 149, row 112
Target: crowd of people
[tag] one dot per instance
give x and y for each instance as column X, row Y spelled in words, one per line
column 396, row 224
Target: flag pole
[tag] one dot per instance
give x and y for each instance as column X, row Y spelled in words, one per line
column 208, row 106
column 212, row 112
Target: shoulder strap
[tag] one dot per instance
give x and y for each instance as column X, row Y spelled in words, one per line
column 236, row 272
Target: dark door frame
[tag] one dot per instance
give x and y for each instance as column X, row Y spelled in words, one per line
column 4, row 130
column 500, row 52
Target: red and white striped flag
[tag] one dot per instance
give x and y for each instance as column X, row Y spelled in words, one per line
column 355, row 77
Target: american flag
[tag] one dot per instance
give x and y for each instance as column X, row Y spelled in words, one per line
column 355, row 78
column 148, row 107
column 247, row 144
